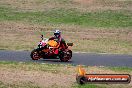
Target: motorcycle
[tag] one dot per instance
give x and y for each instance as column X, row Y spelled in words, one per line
column 46, row 50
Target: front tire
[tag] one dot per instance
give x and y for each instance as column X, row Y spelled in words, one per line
column 35, row 55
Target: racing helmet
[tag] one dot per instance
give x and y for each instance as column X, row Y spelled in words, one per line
column 57, row 33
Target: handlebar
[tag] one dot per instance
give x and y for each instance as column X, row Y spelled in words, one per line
column 42, row 37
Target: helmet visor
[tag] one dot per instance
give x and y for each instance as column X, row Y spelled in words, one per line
column 57, row 35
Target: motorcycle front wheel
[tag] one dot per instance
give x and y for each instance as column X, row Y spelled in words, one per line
column 35, row 55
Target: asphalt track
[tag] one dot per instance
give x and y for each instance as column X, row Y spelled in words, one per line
column 77, row 59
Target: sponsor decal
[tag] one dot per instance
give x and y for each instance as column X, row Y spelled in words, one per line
column 83, row 78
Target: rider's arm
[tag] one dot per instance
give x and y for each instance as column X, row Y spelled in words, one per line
column 52, row 38
column 64, row 42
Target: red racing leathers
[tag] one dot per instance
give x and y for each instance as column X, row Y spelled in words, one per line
column 61, row 42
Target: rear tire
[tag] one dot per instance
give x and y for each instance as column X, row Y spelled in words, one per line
column 66, row 56
column 35, row 55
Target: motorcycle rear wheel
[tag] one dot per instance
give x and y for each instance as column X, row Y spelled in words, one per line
column 35, row 55
column 66, row 56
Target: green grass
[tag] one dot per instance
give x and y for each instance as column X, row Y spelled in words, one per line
column 66, row 17
column 104, row 45
column 88, row 86
column 54, row 1
column 34, row 66
column 70, row 16
column 124, row 69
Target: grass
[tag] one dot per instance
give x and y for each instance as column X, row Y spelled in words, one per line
column 68, row 16
column 125, row 69
column 103, row 45
column 65, row 13
column 30, row 85
column 26, row 68
column 35, row 66
column 62, row 16
column 42, row 5
column 88, row 86
column 90, row 41
column 19, row 85
column 32, row 66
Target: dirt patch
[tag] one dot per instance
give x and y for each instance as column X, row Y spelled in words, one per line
column 95, row 5
column 29, row 5
column 49, row 79
column 84, row 1
column 25, row 31
column 43, row 79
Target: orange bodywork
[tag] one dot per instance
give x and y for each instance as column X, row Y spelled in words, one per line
column 53, row 43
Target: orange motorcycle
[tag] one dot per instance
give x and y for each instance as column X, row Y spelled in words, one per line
column 50, row 49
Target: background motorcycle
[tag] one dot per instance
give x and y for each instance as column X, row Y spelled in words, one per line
column 45, row 51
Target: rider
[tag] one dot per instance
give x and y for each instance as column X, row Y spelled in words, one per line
column 57, row 37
